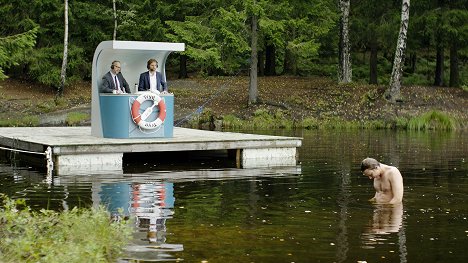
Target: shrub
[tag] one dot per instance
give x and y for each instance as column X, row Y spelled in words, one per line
column 26, row 121
column 74, row 118
column 432, row 120
column 75, row 235
column 232, row 122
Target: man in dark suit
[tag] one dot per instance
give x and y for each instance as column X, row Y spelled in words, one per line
column 113, row 81
column 152, row 80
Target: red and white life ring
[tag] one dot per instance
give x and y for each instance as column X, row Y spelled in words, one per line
column 136, row 115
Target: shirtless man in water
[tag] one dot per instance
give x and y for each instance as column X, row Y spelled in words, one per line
column 388, row 182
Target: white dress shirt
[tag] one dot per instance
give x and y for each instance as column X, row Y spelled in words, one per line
column 153, row 85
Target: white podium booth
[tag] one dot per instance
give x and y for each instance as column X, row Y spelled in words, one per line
column 133, row 56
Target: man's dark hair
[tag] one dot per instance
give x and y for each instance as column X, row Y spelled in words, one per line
column 369, row 163
column 152, row 60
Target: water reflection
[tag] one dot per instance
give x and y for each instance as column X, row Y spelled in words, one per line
column 149, row 205
column 386, row 219
column 316, row 212
column 152, row 204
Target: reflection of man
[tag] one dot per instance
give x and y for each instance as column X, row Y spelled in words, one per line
column 152, row 80
column 388, row 182
column 387, row 219
column 113, row 81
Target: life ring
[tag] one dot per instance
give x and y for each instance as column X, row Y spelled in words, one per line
column 137, row 116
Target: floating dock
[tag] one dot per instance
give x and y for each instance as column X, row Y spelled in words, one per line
column 74, row 148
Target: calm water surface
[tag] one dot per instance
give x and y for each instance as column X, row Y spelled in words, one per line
column 314, row 212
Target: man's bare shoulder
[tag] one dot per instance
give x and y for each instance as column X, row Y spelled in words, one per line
column 392, row 172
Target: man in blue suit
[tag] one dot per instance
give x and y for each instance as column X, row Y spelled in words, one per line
column 113, row 81
column 152, row 80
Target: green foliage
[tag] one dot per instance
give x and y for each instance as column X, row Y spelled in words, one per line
column 207, row 115
column 204, row 118
column 200, row 43
column 417, row 79
column 369, row 98
column 25, row 121
column 74, row 118
column 47, row 106
column 140, row 21
column 232, row 122
column 60, row 102
column 229, row 26
column 401, row 123
column 217, row 35
column 298, row 100
column 433, row 120
column 329, row 123
column 263, row 119
column 273, row 30
column 70, row 236
column 310, row 123
column 13, row 49
column 45, row 64
column 297, row 29
column 317, row 67
column 85, row 15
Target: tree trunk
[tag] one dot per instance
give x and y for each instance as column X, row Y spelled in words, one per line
column 183, row 67
column 344, row 67
column 270, row 60
column 253, row 91
column 439, row 71
column 261, row 63
column 393, row 92
column 454, row 73
column 290, row 64
column 373, row 63
column 63, row 72
column 413, row 58
column 115, row 19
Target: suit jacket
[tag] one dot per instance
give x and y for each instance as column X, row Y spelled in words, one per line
column 107, row 85
column 144, row 82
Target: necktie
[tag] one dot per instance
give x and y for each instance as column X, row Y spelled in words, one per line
column 116, row 83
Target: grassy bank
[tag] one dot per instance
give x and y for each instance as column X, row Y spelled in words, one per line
column 68, row 236
column 284, row 102
column 432, row 120
column 317, row 103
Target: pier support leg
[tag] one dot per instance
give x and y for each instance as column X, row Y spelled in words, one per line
column 252, row 158
column 75, row 164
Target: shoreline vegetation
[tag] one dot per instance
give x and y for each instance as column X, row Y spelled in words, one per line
column 285, row 102
column 67, row 236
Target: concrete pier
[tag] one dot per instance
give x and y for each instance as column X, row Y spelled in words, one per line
column 74, row 148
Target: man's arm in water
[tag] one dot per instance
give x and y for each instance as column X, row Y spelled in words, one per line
column 397, row 187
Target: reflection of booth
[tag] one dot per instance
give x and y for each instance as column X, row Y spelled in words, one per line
column 110, row 114
column 152, row 204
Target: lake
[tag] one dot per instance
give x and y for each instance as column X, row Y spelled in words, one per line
column 318, row 211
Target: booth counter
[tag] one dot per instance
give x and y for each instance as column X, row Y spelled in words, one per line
column 117, row 120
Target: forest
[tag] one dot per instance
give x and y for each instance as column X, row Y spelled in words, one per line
column 293, row 37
